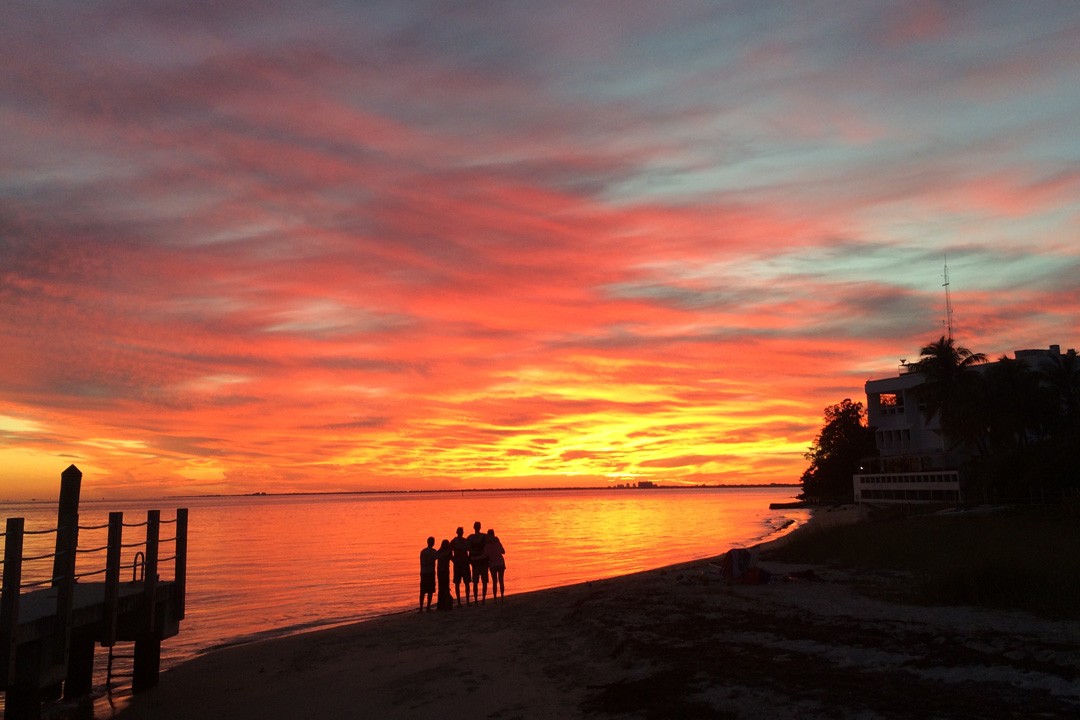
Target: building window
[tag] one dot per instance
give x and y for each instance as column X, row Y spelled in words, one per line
column 891, row 403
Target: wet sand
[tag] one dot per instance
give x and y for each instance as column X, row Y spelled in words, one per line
column 670, row 643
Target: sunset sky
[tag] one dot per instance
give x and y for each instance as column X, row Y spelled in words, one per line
column 320, row 246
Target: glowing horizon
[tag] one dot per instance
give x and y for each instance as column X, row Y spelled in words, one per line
column 340, row 248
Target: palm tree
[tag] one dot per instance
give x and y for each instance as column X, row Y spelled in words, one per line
column 952, row 390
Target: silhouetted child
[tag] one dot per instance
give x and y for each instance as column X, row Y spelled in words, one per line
column 428, row 556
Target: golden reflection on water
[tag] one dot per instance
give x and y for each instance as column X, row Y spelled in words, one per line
column 272, row 565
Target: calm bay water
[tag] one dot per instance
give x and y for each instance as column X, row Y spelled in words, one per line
column 275, row 565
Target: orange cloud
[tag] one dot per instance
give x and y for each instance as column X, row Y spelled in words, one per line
column 391, row 251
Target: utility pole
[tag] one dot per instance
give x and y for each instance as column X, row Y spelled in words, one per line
column 948, row 300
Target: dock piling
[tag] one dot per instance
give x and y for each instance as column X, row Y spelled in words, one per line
column 9, row 599
column 63, row 578
column 180, row 566
column 148, row 643
column 112, row 578
column 150, row 575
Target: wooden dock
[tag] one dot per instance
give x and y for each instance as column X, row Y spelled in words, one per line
column 49, row 628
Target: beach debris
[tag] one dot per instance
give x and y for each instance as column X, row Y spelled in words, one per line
column 738, row 568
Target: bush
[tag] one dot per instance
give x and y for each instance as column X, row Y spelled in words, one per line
column 1017, row 558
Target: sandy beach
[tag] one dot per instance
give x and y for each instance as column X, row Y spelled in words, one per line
column 670, row 643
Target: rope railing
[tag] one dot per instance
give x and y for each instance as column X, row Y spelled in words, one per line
column 49, row 531
column 39, row 583
column 86, row 552
column 89, row 551
column 79, row 576
column 94, row 527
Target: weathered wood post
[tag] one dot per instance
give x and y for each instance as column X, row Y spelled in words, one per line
column 67, row 522
column 180, row 572
column 79, row 677
column 79, row 682
column 22, row 696
column 63, row 578
column 112, row 578
column 9, row 599
column 148, row 643
column 150, row 578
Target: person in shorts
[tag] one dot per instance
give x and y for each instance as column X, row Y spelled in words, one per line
column 428, row 556
column 495, row 554
column 478, row 562
column 459, row 551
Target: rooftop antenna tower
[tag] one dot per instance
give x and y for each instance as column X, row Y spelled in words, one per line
column 948, row 299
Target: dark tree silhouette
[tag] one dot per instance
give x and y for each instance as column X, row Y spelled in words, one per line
column 1012, row 424
column 1058, row 462
column 1018, row 423
column 952, row 391
column 1016, row 407
column 844, row 441
column 1060, row 375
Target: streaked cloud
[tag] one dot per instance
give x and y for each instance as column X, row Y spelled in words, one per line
column 334, row 246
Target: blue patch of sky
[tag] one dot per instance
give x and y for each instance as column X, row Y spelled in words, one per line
column 788, row 275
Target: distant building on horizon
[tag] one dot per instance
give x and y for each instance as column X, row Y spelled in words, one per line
column 913, row 464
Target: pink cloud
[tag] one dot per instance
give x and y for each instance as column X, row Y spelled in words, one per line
column 232, row 253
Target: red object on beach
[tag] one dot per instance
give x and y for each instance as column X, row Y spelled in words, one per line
column 736, row 562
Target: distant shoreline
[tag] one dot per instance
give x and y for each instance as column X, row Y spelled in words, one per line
column 444, row 491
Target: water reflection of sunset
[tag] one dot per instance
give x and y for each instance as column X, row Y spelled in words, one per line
column 515, row 255
column 262, row 566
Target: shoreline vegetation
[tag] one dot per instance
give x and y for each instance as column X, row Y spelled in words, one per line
column 866, row 615
column 1008, row 557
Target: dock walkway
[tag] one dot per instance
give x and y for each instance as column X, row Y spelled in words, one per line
column 49, row 628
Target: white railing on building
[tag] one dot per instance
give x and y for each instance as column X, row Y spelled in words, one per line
column 931, row 486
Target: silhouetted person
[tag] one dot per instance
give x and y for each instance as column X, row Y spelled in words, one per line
column 478, row 562
column 428, row 556
column 446, row 600
column 495, row 554
column 459, row 548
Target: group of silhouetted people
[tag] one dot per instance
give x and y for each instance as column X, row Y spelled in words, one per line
column 473, row 558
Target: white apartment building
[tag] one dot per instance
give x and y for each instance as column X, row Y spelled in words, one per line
column 913, row 464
